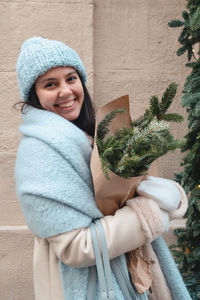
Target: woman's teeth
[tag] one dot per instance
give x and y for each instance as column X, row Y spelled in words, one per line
column 65, row 105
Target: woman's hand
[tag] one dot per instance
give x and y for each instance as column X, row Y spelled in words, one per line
column 163, row 191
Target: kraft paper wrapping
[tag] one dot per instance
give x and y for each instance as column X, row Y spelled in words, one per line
column 112, row 194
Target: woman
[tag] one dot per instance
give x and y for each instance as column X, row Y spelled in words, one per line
column 54, row 182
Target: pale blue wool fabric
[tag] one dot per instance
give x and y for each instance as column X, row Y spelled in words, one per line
column 57, row 200
column 38, row 55
column 169, row 268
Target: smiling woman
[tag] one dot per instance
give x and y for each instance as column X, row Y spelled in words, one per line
column 60, row 90
column 54, row 183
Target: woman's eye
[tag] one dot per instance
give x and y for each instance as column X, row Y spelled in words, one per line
column 71, row 78
column 50, row 84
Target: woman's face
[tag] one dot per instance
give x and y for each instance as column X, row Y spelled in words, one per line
column 60, row 90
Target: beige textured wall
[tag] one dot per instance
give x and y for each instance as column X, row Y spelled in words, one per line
column 127, row 48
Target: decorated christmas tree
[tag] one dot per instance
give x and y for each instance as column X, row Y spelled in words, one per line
column 187, row 250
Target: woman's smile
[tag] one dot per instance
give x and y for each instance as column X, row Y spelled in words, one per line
column 60, row 90
column 66, row 105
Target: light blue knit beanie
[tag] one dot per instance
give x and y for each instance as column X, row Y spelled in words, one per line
column 38, row 55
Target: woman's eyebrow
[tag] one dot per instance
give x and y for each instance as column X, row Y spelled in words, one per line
column 48, row 79
column 52, row 78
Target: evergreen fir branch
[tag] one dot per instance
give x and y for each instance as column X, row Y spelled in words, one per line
column 182, row 50
column 183, row 36
column 194, row 124
column 190, row 65
column 192, row 5
column 143, row 120
column 175, row 23
column 168, row 97
column 190, row 33
column 185, row 15
column 100, row 146
column 193, row 79
column 173, row 117
column 197, row 110
column 189, row 98
column 102, row 128
column 188, row 256
column 154, row 106
column 190, row 52
column 192, row 86
column 105, row 167
column 195, row 20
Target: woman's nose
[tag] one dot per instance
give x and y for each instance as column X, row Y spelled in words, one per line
column 65, row 91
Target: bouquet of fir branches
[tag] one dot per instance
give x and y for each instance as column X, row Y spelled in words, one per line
column 130, row 150
column 124, row 150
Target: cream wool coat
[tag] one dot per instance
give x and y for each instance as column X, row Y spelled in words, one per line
column 142, row 222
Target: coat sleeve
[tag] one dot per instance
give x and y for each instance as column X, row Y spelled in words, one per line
column 124, row 231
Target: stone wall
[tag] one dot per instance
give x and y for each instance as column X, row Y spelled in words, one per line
column 127, row 48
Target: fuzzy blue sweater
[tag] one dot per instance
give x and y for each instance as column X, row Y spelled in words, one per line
column 54, row 185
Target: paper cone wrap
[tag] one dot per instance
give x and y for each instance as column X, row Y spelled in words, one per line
column 112, row 194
